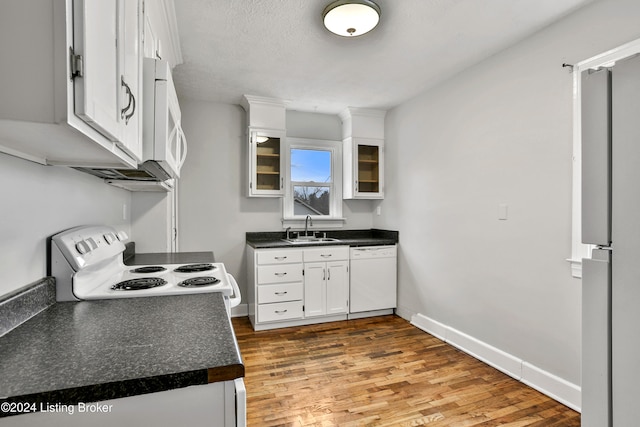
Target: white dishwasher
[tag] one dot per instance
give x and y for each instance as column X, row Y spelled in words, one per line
column 373, row 279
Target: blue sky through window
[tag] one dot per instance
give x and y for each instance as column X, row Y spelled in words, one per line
column 310, row 165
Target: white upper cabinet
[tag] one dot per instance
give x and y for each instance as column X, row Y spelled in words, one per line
column 112, row 29
column 130, row 30
column 75, row 89
column 266, row 139
column 363, row 157
column 161, row 39
column 96, row 76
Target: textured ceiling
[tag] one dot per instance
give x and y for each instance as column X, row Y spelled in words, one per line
column 279, row 48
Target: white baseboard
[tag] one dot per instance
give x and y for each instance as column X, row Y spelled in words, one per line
column 365, row 314
column 404, row 312
column 486, row 353
column 553, row 386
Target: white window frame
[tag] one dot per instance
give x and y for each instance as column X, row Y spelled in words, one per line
column 606, row 59
column 319, row 221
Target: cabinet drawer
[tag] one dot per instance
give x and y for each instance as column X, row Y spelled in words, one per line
column 284, row 273
column 326, row 254
column 279, row 293
column 279, row 256
column 280, row 311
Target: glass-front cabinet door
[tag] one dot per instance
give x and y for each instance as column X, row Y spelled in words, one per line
column 364, row 169
column 368, row 169
column 266, row 178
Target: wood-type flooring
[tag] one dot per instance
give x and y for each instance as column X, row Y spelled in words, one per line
column 380, row 371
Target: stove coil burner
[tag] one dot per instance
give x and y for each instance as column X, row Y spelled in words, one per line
column 196, row 282
column 139, row 284
column 149, row 269
column 194, row 268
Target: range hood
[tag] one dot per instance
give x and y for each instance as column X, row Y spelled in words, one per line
column 156, row 186
column 164, row 146
column 147, row 171
column 149, row 176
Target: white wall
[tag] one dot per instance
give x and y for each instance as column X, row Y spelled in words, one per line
column 39, row 201
column 500, row 132
column 214, row 213
column 151, row 225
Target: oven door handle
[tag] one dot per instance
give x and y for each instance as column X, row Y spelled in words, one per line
column 234, row 300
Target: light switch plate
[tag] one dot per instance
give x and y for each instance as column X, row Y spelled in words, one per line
column 503, row 210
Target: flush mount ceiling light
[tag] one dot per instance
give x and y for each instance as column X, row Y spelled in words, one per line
column 350, row 18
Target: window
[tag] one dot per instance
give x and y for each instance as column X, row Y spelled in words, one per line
column 313, row 180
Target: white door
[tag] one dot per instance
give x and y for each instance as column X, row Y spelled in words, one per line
column 625, row 237
column 130, row 75
column 315, row 294
column 96, row 90
column 337, row 287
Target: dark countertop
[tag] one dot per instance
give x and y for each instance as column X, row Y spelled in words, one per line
column 96, row 350
column 373, row 237
column 170, row 258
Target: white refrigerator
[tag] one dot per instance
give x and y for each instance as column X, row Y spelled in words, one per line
column 611, row 222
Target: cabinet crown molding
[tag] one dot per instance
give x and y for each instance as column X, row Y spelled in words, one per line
column 251, row 100
column 362, row 123
column 350, row 112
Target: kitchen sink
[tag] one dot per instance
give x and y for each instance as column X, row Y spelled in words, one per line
column 310, row 239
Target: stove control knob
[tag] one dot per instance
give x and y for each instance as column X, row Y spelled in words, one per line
column 83, row 247
column 109, row 238
column 92, row 243
column 122, row 235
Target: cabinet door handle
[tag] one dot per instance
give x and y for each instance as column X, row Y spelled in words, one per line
column 324, row 274
column 281, row 293
column 328, row 274
column 356, row 185
column 280, row 274
column 123, row 112
column 281, row 311
column 280, row 258
column 326, row 255
column 281, row 183
column 133, row 110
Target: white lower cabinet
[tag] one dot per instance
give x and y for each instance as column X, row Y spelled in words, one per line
column 277, row 312
column 289, row 287
column 326, row 283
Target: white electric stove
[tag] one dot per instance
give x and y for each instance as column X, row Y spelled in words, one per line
column 87, row 263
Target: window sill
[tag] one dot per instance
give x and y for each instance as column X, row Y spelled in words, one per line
column 576, row 267
column 318, row 223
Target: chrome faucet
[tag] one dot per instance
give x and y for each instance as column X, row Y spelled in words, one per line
column 308, row 218
column 287, row 231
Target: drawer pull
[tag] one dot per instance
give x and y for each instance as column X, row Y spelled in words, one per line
column 280, row 258
column 281, row 274
column 326, row 255
column 281, row 311
column 281, row 293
